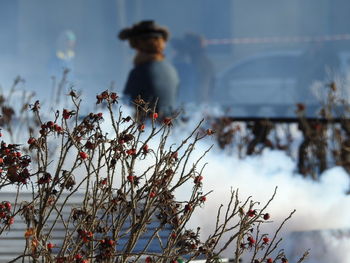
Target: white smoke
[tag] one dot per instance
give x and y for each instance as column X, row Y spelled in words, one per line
column 321, row 207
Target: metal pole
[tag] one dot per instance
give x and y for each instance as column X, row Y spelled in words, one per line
column 122, row 48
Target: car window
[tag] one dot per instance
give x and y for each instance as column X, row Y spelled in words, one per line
column 267, row 67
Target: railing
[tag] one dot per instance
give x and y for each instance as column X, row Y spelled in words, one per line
column 313, row 145
column 13, row 241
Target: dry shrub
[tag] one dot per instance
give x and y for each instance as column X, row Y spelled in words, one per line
column 127, row 211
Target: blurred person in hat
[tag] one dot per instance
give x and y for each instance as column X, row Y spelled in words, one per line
column 64, row 53
column 195, row 69
column 152, row 77
column 203, row 67
column 61, row 64
column 187, row 72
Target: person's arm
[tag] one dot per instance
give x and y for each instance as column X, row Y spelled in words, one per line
column 165, row 84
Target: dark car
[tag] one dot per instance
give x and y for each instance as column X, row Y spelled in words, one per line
column 268, row 84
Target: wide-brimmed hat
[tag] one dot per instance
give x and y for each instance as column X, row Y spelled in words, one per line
column 190, row 42
column 144, row 29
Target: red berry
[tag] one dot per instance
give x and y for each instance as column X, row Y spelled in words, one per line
column 300, row 106
column 251, row 213
column 130, row 178
column 50, row 246
column 175, row 155
column 104, row 181
column 31, row 140
column 7, row 205
column 203, row 198
column 269, row 260
column 148, row 260
column 267, row 216
column 57, row 128
column 104, row 94
column 66, row 114
column 145, row 148
column 99, row 99
column 83, row 155
column 198, row 179
column 2, row 214
column 266, row 240
column 209, row 132
column 1, row 160
column 78, row 256
column 152, row 194
column 114, row 96
column 110, row 242
column 60, row 260
column 155, row 115
column 167, row 121
column 251, row 240
column 131, row 152
column 50, row 124
column 11, row 220
column 100, row 114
